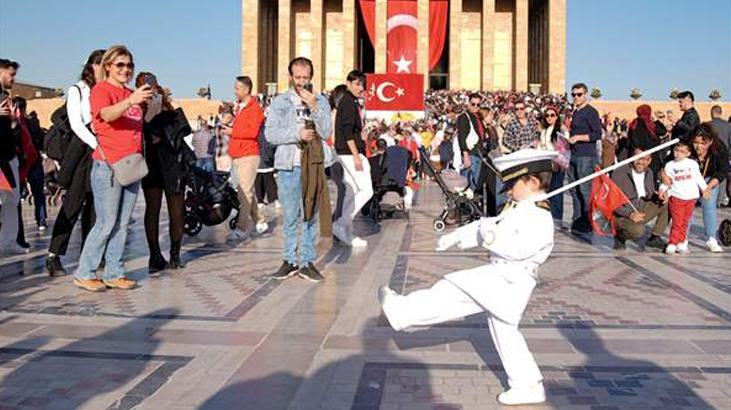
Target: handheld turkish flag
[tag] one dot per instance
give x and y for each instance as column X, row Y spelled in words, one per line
column 395, row 92
column 605, row 198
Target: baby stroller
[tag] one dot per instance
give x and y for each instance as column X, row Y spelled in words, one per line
column 388, row 175
column 209, row 200
column 461, row 208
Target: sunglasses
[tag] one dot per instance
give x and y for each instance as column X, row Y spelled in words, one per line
column 577, row 94
column 131, row 66
column 519, row 108
column 475, row 104
column 551, row 115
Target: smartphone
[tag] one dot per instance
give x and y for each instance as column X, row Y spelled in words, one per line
column 151, row 80
column 308, row 87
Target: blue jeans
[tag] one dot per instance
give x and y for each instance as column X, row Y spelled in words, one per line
column 289, row 185
column 556, row 201
column 205, row 164
column 710, row 213
column 35, row 179
column 476, row 163
column 580, row 167
column 113, row 204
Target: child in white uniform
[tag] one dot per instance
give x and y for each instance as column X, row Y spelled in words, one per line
column 518, row 240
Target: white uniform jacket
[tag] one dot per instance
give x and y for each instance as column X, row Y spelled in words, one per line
column 519, row 240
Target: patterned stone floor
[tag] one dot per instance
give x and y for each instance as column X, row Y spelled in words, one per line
column 610, row 330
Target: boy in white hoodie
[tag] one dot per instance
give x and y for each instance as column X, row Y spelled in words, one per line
column 683, row 191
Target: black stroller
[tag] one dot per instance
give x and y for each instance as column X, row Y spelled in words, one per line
column 209, row 200
column 388, row 175
column 460, row 208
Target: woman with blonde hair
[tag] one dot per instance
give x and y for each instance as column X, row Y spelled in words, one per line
column 117, row 119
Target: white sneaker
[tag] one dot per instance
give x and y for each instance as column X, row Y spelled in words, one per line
column 239, row 235
column 386, row 297
column 358, row 242
column 340, row 233
column 671, row 249
column 683, row 247
column 523, row 395
column 262, row 227
column 14, row 249
column 261, row 206
column 277, row 204
column 713, row 246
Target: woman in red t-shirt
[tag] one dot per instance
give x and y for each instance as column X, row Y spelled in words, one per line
column 117, row 121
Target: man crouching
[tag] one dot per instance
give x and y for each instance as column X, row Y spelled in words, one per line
column 518, row 240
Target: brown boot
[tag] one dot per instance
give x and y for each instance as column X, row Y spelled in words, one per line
column 92, row 285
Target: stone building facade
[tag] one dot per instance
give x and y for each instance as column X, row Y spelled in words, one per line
column 491, row 44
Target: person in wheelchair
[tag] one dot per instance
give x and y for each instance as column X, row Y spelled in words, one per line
column 389, row 170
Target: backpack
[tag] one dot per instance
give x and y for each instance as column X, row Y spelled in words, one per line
column 59, row 135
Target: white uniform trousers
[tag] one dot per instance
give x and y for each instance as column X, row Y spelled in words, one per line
column 358, row 190
column 444, row 302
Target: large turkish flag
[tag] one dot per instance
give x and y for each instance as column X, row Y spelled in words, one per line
column 395, row 92
column 402, row 29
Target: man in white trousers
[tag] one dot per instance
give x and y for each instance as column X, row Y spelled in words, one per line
column 350, row 148
column 518, row 241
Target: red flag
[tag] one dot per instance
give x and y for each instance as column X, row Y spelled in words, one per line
column 402, row 26
column 605, row 198
column 395, row 92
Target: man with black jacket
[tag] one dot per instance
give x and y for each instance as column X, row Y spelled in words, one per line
column 690, row 119
column 9, row 164
column 350, row 147
column 470, row 134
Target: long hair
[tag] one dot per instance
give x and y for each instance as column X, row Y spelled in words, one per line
column 87, row 74
column 109, row 56
column 336, row 95
column 556, row 125
column 706, row 132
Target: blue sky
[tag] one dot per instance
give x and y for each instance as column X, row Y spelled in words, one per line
column 615, row 45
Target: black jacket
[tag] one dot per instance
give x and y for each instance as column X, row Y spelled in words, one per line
column 640, row 137
column 463, row 131
column 716, row 164
column 348, row 125
column 686, row 124
column 9, row 138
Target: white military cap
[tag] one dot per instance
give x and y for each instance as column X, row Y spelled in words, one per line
column 524, row 162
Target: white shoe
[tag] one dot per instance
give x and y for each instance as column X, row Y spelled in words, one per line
column 683, row 247
column 385, row 297
column 358, row 242
column 262, row 227
column 277, row 204
column 261, row 206
column 671, row 249
column 523, row 395
column 239, row 235
column 340, row 233
column 713, row 246
column 14, row 249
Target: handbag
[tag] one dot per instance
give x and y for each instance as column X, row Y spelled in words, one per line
column 129, row 169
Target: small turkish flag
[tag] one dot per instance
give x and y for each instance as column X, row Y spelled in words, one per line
column 395, row 92
column 604, row 199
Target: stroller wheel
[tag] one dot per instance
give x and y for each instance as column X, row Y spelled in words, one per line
column 192, row 225
column 439, row 225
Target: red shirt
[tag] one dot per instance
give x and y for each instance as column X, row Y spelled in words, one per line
column 244, row 140
column 121, row 137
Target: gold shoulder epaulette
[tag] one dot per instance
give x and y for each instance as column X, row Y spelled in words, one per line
column 544, row 205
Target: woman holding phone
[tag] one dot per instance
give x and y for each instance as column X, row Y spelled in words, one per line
column 117, row 118
column 165, row 156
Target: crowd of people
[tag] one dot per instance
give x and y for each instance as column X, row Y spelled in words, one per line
column 280, row 151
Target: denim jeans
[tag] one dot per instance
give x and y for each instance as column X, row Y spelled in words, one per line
column 710, row 213
column 35, row 179
column 476, row 164
column 556, row 201
column 113, row 204
column 580, row 167
column 205, row 164
column 289, row 184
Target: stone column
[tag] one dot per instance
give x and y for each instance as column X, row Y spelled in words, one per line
column 250, row 41
column 557, row 46
column 520, row 72
column 317, row 18
column 422, row 41
column 349, row 36
column 455, row 57
column 488, row 44
column 380, row 46
column 284, row 47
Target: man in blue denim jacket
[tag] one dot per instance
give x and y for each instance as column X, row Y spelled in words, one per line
column 289, row 124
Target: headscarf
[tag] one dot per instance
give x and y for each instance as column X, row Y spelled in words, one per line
column 644, row 114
